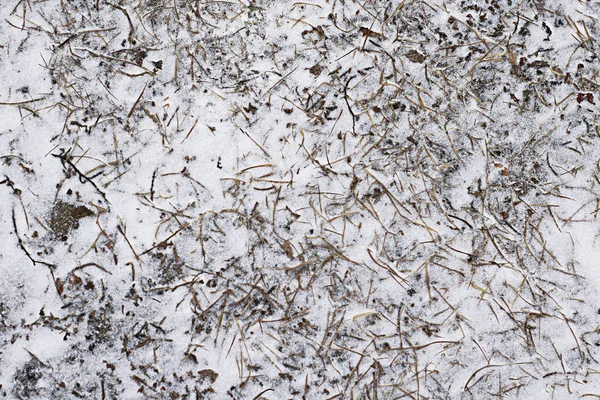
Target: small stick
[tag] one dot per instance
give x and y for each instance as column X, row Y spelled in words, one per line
column 64, row 159
column 348, row 104
column 21, row 102
column 136, row 102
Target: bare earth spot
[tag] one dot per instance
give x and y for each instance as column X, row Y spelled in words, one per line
column 65, row 217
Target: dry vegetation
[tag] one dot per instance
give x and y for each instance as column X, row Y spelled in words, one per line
column 336, row 199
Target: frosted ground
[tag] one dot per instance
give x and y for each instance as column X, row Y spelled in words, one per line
column 299, row 200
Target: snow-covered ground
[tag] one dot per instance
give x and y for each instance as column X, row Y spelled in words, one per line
column 324, row 199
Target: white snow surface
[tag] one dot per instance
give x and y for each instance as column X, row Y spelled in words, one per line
column 262, row 199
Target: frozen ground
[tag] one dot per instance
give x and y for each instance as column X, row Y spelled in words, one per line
column 299, row 200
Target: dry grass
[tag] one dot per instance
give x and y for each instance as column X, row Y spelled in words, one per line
column 335, row 200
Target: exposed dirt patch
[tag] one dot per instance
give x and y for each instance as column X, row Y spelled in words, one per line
column 65, row 217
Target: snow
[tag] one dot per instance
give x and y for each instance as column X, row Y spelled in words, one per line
column 278, row 199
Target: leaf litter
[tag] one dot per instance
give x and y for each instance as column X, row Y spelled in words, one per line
column 286, row 199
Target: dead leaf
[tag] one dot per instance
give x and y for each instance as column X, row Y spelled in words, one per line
column 208, row 374
column 415, row 56
column 368, row 32
column 538, row 64
column 250, row 108
column 590, row 98
column 287, row 246
column 59, row 286
column 316, row 69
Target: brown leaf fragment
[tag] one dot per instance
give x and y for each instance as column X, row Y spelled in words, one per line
column 368, row 32
column 590, row 98
column 251, row 108
column 415, row 56
column 316, row 69
column 59, row 286
column 538, row 64
column 512, row 57
column 208, row 374
column 75, row 280
column 318, row 29
column 138, row 56
column 192, row 357
column 157, row 64
column 287, row 247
